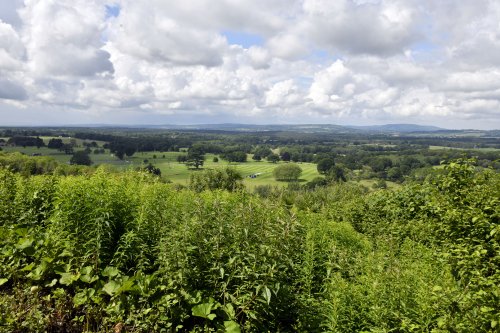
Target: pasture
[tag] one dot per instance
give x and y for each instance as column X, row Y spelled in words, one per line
column 173, row 170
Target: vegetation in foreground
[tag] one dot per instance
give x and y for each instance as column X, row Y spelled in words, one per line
column 124, row 252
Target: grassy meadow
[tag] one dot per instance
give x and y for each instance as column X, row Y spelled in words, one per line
column 170, row 168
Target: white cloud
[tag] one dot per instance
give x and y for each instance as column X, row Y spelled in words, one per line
column 385, row 27
column 488, row 79
column 12, row 49
column 316, row 60
column 259, row 57
column 154, row 36
column 283, row 94
column 63, row 38
column 11, row 90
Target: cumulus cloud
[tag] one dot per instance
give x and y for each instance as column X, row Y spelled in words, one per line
column 12, row 50
column 310, row 60
column 11, row 90
column 259, row 57
column 63, row 38
column 153, row 36
column 384, row 27
column 283, row 94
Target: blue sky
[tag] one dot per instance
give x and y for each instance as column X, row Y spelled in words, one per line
column 112, row 10
column 284, row 61
column 244, row 39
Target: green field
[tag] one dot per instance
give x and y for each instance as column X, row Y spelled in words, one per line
column 453, row 148
column 178, row 172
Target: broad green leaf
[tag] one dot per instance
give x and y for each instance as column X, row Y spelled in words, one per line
column 86, row 270
column 111, row 288
column 266, row 293
column 60, row 269
column 88, row 278
column 229, row 310
column 28, row 268
column 127, row 285
column 3, row 281
column 68, row 278
column 203, row 310
column 80, row 298
column 66, row 253
column 52, row 283
column 24, row 243
column 437, row 288
column 232, row 327
column 110, row 271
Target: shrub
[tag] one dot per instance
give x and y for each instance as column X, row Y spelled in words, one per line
column 216, row 179
column 287, row 172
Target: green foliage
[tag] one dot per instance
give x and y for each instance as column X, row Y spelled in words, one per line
column 124, row 252
column 457, row 214
column 80, row 157
column 152, row 169
column 274, row 158
column 235, row 156
column 325, row 164
column 26, row 165
column 380, row 184
column 55, row 143
column 336, row 174
column 316, row 182
column 287, row 172
column 195, row 157
column 216, row 179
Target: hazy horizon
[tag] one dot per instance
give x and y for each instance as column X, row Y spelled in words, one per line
column 201, row 125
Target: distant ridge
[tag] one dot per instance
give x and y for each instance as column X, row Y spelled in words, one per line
column 401, row 128
column 325, row 128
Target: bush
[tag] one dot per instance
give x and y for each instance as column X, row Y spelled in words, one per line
column 81, row 158
column 216, row 179
column 324, row 165
column 287, row 172
column 122, row 251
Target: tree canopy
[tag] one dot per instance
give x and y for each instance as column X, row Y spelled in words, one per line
column 195, row 157
column 325, row 164
column 80, row 157
column 287, row 172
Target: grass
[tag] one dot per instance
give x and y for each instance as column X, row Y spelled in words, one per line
column 455, row 148
column 44, row 151
column 177, row 172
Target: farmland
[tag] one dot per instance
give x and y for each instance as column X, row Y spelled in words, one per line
column 175, row 171
column 375, row 234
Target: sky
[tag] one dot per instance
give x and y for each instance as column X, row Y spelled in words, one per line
column 347, row 62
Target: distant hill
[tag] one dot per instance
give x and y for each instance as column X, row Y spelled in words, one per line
column 388, row 129
column 401, row 128
column 308, row 128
